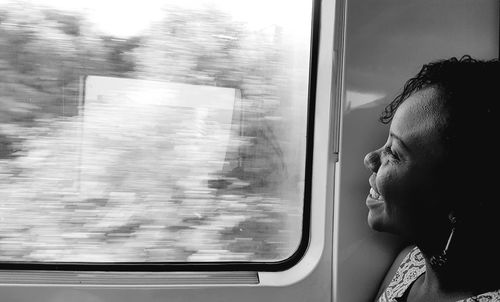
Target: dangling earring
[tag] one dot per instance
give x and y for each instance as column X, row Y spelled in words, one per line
column 440, row 260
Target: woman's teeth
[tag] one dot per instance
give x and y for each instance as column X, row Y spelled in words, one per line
column 374, row 194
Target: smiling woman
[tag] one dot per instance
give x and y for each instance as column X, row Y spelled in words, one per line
column 408, row 166
column 424, row 189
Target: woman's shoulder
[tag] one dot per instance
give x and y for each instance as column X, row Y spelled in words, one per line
column 407, row 266
column 493, row 296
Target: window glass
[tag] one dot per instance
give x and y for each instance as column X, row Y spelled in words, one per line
column 152, row 131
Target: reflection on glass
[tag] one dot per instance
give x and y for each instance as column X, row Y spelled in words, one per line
column 178, row 137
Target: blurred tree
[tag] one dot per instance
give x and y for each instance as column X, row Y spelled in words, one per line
column 43, row 55
column 139, row 179
column 207, row 47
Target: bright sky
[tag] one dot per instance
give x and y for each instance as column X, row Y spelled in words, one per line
column 128, row 17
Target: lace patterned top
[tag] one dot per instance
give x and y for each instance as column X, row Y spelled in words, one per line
column 410, row 269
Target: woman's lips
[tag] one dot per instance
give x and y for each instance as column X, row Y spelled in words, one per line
column 373, row 189
column 373, row 202
column 374, row 198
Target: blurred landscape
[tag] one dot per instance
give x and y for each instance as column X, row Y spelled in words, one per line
column 112, row 176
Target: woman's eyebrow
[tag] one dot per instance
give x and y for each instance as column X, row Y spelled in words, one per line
column 400, row 141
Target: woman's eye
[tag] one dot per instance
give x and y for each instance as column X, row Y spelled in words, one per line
column 389, row 151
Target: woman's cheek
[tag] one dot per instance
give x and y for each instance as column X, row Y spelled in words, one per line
column 385, row 185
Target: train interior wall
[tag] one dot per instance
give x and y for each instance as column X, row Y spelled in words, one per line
column 387, row 42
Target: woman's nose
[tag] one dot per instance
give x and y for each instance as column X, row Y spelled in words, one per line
column 372, row 161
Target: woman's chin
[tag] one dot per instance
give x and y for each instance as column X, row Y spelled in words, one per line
column 376, row 222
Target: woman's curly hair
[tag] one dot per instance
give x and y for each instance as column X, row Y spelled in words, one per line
column 457, row 79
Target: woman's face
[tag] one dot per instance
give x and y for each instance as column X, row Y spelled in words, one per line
column 406, row 171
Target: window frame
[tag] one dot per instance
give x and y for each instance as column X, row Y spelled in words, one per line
column 260, row 266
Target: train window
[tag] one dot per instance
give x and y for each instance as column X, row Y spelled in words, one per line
column 153, row 132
